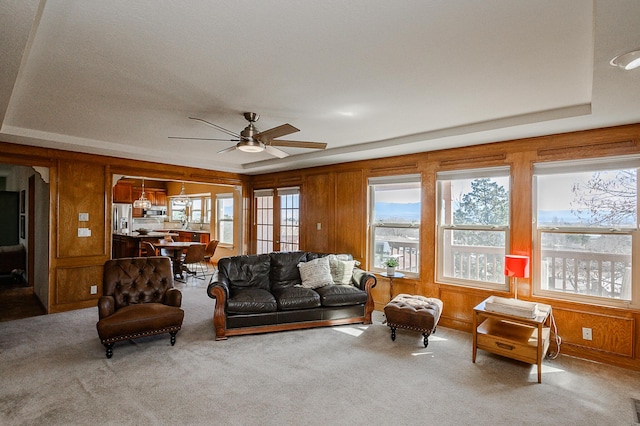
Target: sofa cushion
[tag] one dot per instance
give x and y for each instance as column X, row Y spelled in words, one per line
column 341, row 270
column 246, row 271
column 315, row 273
column 284, row 269
column 341, row 295
column 296, row 298
column 251, row 300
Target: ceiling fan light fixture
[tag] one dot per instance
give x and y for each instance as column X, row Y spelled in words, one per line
column 627, row 61
column 251, row 146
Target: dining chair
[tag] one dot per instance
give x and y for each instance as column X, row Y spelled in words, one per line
column 193, row 261
column 148, row 249
column 208, row 253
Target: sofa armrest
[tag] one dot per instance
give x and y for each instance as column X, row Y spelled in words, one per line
column 219, row 290
column 106, row 306
column 364, row 280
column 173, row 297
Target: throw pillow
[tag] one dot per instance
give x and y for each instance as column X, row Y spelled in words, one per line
column 315, row 273
column 341, row 270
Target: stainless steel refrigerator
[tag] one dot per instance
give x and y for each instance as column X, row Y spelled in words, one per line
column 122, row 218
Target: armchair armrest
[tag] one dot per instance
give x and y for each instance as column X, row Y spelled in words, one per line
column 106, row 306
column 219, row 290
column 173, row 297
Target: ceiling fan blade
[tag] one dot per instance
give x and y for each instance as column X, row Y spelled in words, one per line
column 298, row 144
column 276, row 132
column 231, row 148
column 275, row 151
column 215, row 126
column 205, row 139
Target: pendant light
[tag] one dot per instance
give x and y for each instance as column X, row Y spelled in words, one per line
column 142, row 202
column 182, row 198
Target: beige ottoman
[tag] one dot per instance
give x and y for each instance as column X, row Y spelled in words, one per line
column 412, row 312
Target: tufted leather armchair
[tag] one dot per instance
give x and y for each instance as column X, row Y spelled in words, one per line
column 138, row 300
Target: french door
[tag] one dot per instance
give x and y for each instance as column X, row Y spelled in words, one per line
column 277, row 219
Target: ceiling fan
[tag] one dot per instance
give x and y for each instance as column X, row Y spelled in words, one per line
column 251, row 140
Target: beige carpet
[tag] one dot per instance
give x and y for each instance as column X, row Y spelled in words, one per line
column 54, row 372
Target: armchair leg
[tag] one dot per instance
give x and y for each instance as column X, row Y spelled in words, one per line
column 109, row 347
column 173, row 337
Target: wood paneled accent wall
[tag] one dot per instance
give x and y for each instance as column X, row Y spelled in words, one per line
column 82, row 183
column 336, row 196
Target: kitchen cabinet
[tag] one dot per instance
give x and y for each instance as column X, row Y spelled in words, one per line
column 194, row 236
column 160, row 198
column 123, row 193
column 124, row 246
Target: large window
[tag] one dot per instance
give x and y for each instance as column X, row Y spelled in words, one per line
column 394, row 221
column 277, row 213
column 473, row 227
column 224, row 218
column 585, row 238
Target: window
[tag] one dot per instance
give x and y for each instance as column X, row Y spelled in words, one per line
column 264, row 221
column 178, row 211
column 394, row 221
column 277, row 216
column 585, row 238
column 473, row 227
column 289, row 218
column 224, row 218
column 195, row 211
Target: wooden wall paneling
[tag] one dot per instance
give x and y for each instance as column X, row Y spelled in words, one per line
column 612, row 334
column 74, row 285
column 457, row 306
column 428, row 241
column 317, row 206
column 520, row 231
column 351, row 214
column 81, row 190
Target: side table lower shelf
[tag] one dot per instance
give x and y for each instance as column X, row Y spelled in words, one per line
column 512, row 337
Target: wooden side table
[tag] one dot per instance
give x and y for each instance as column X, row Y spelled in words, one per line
column 523, row 339
column 391, row 278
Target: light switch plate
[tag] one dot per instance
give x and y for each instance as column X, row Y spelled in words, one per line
column 83, row 217
column 94, row 289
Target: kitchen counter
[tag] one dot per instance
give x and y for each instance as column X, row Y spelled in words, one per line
column 153, row 234
column 128, row 245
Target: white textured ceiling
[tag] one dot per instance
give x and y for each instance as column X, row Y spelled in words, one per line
column 371, row 78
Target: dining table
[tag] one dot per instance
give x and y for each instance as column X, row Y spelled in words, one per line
column 176, row 248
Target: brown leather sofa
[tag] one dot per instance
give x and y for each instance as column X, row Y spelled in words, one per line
column 263, row 293
column 138, row 300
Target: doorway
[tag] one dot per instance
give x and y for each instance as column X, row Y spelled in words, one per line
column 24, row 286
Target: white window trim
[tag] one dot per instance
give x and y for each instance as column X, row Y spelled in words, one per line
column 220, row 197
column 487, row 172
column 577, row 166
column 386, row 180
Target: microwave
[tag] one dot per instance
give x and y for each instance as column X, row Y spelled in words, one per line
column 155, row 212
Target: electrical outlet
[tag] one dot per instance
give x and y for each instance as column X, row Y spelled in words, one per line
column 587, row 334
column 94, row 289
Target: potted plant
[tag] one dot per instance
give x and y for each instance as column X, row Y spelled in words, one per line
column 391, row 264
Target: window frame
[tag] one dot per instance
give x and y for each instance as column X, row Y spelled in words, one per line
column 593, row 165
column 399, row 180
column 443, row 228
column 221, row 219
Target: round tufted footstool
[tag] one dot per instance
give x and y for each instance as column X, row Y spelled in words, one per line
column 416, row 313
